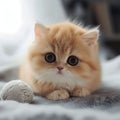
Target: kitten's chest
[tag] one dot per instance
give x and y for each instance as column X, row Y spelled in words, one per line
column 66, row 81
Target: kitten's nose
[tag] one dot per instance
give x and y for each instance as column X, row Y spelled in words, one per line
column 59, row 67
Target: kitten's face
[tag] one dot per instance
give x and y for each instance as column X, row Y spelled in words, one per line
column 64, row 52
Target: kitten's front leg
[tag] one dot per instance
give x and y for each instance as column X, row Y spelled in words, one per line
column 58, row 95
column 79, row 92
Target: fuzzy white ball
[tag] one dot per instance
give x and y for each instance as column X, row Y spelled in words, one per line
column 17, row 90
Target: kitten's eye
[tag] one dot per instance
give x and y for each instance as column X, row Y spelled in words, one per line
column 72, row 60
column 50, row 57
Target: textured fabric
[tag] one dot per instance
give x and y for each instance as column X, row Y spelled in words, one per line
column 97, row 106
column 11, row 110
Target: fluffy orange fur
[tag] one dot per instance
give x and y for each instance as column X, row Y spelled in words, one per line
column 63, row 40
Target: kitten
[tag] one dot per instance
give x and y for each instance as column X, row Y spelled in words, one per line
column 62, row 61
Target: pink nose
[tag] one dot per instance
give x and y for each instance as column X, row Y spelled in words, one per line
column 59, row 67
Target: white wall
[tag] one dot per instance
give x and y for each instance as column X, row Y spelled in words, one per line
column 44, row 11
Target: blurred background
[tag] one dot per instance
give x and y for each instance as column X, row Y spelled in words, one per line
column 17, row 18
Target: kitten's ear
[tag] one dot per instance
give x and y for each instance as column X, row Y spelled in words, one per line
column 91, row 36
column 40, row 30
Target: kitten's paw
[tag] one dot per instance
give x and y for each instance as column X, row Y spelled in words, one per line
column 58, row 95
column 79, row 92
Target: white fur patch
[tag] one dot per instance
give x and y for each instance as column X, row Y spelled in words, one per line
column 65, row 80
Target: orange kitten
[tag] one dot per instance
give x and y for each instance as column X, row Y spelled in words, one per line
column 62, row 61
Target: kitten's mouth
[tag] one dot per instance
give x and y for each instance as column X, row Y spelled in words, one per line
column 60, row 72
